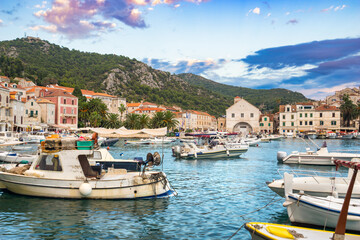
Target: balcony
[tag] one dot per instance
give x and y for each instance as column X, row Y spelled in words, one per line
column 33, row 115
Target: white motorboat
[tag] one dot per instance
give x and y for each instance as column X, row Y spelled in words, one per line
column 138, row 142
column 273, row 137
column 268, row 231
column 315, row 183
column 13, row 157
column 191, row 151
column 34, row 138
column 253, row 142
column 162, row 140
column 320, row 157
column 348, row 136
column 319, row 211
column 62, row 170
column 331, row 135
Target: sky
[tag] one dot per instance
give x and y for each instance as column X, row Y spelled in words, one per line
column 312, row 47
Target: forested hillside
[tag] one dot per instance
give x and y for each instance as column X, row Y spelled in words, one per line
column 46, row 63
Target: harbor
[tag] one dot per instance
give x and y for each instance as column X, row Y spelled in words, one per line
column 215, row 198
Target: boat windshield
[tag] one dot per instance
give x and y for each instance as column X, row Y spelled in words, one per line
column 49, row 163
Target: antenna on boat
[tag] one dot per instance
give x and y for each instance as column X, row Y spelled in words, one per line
column 341, row 224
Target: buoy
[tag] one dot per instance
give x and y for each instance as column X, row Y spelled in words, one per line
column 85, row 189
column 108, row 148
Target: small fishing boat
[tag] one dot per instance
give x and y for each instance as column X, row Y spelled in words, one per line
column 320, row 157
column 62, row 170
column 319, row 211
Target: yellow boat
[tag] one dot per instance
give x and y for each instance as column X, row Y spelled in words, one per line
column 272, row 231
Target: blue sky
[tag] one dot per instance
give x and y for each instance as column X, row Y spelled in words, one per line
column 308, row 46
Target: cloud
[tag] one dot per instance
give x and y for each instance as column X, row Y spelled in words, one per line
column 315, row 69
column 337, row 8
column 292, row 21
column 1, row 22
column 43, row 5
column 255, row 11
column 83, row 18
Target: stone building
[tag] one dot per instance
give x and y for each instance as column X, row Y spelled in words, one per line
column 242, row 117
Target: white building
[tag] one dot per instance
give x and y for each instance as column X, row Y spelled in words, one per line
column 242, row 117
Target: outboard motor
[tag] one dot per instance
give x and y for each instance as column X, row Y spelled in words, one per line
column 153, row 159
column 176, row 151
column 280, row 156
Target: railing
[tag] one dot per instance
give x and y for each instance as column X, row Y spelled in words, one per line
column 310, row 173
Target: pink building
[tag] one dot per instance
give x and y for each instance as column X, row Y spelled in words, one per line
column 66, row 106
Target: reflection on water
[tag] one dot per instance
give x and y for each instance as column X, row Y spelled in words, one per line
column 213, row 194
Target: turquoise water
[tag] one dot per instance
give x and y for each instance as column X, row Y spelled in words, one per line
column 213, row 196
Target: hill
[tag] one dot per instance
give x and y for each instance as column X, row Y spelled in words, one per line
column 267, row 99
column 46, row 63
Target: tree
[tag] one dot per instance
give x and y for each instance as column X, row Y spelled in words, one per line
column 143, row 121
column 97, row 105
column 122, row 109
column 157, row 120
column 169, row 120
column 77, row 93
column 95, row 119
column 131, row 121
column 112, row 121
column 348, row 110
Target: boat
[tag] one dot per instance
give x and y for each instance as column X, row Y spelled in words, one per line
column 348, row 136
column 268, row 231
column 317, row 183
column 319, row 211
column 321, row 135
column 137, row 142
column 192, row 151
column 273, row 137
column 13, row 157
column 163, row 140
column 109, row 142
column 62, row 170
column 34, row 138
column 311, row 134
column 331, row 135
column 319, row 157
column 252, row 142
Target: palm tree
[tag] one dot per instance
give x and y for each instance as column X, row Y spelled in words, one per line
column 157, row 120
column 112, row 121
column 348, row 110
column 131, row 121
column 170, row 121
column 84, row 114
column 122, row 109
column 143, row 121
column 95, row 119
column 97, row 105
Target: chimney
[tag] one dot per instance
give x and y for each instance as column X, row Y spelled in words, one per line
column 236, row 99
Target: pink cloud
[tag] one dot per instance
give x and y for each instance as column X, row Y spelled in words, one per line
column 84, row 18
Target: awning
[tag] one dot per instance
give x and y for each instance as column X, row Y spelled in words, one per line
column 125, row 132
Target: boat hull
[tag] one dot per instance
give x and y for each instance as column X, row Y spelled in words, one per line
column 100, row 189
column 215, row 154
column 314, row 159
column 306, row 212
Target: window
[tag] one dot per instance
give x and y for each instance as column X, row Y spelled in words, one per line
column 310, row 123
column 311, row 115
column 32, row 103
column 64, row 101
column 242, row 115
column 36, row 113
column 265, row 119
column 288, row 109
column 321, row 123
column 292, row 116
column 27, row 111
column 305, row 122
column 300, row 114
column 269, row 124
column 261, row 124
column 305, row 114
column 320, row 114
column 300, row 123
column 333, row 115
column 64, row 111
column 283, row 116
column 73, row 102
column 333, row 123
column 49, row 163
column 72, row 111
column 233, row 115
column 292, row 123
column 252, row 115
column 283, row 123
column 64, row 120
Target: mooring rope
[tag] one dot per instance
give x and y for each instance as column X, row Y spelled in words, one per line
column 256, row 210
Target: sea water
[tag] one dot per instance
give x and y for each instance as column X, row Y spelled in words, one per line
column 215, row 198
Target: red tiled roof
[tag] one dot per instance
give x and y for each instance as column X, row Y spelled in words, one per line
column 133, row 104
column 104, row 94
column 326, row 108
column 140, row 110
column 58, row 92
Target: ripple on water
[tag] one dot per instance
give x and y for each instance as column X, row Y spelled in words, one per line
column 215, row 198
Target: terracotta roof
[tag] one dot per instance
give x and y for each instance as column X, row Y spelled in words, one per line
column 58, row 92
column 140, row 110
column 237, row 97
column 13, row 92
column 104, row 94
column 23, row 99
column 133, row 104
column 87, row 92
column 326, row 108
column 282, row 108
column 148, row 103
column 43, row 100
